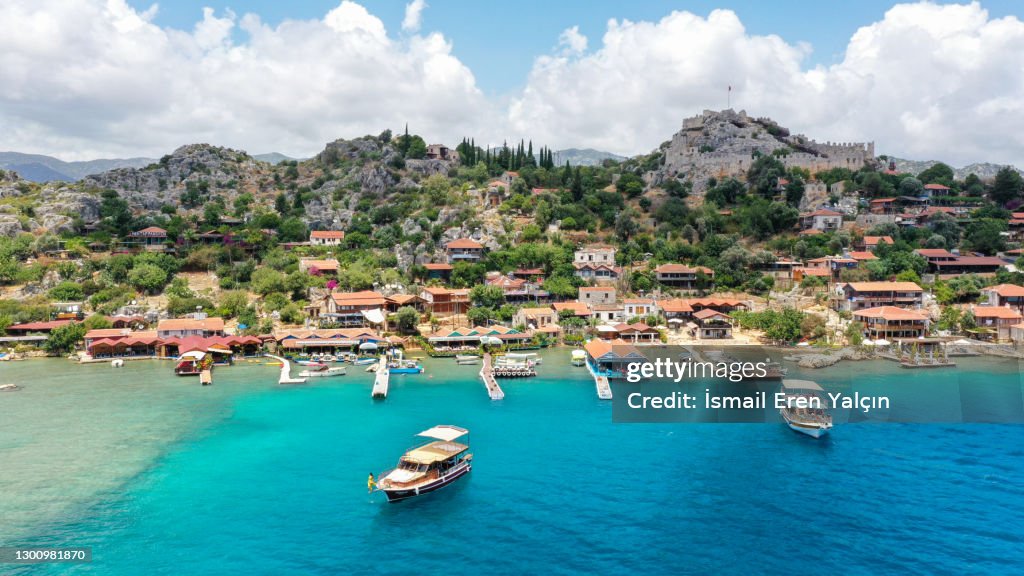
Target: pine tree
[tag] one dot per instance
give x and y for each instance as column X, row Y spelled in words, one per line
column 577, row 185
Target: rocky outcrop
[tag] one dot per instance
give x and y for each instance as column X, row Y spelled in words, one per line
column 151, row 187
column 724, row 144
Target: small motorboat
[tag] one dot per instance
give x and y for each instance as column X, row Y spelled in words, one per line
column 429, row 467
column 310, row 363
column 405, row 367
column 9, row 387
column 467, row 359
column 363, row 361
column 117, row 363
column 327, row 372
column 579, row 357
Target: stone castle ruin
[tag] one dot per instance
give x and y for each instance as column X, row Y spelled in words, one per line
column 723, row 144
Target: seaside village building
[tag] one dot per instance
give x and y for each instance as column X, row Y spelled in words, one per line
column 326, row 237
column 888, row 322
column 451, row 342
column 681, row 276
column 853, row 296
column 995, row 322
column 596, row 264
column 354, row 309
column 1008, row 295
column 327, row 266
column 595, row 295
column 822, row 220
column 612, row 358
column 330, row 340
column 464, row 250
column 172, row 338
column 152, row 239
column 712, row 325
column 442, row 302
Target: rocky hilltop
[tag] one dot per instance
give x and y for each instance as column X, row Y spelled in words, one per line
column 984, row 170
column 723, row 144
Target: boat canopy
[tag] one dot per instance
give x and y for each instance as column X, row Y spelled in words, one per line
column 576, row 354
column 435, row 452
column 193, row 355
column 801, row 385
column 444, row 432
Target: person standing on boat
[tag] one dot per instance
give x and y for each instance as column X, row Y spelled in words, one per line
column 370, row 483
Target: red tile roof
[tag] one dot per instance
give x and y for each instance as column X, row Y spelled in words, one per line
column 1006, row 290
column 885, row 287
column 1000, row 312
column 327, row 234
column 464, row 243
column 890, row 313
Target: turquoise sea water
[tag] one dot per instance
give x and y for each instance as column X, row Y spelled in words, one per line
column 161, row 476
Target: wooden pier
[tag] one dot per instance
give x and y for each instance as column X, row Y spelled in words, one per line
column 206, row 377
column 487, row 374
column 381, row 379
column 286, row 371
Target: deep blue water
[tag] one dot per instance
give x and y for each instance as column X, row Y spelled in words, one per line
column 276, row 485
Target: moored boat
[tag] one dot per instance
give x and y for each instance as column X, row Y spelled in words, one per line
column 804, row 409
column 192, row 363
column 579, row 357
column 8, row 387
column 430, row 466
column 466, row 359
column 364, row 361
column 325, row 373
column 405, row 367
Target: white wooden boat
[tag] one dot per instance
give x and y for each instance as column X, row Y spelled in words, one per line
column 335, row 371
column 804, row 410
column 429, row 467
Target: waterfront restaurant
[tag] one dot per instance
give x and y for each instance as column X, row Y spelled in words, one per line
column 887, row 322
column 121, row 343
column 467, row 339
column 325, row 340
column 611, row 358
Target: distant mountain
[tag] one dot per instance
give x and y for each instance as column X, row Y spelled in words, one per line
column 274, row 157
column 985, row 170
column 585, row 157
column 40, row 168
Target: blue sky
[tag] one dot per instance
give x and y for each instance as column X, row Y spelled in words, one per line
column 499, row 40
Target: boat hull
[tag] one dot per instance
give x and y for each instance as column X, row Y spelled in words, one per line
column 405, row 370
column 399, row 494
column 812, row 431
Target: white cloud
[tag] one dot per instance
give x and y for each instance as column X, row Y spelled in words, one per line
column 82, row 79
column 413, row 15
column 87, row 78
column 572, row 41
column 927, row 81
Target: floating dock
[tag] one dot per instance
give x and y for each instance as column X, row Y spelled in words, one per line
column 286, row 371
column 381, row 379
column 604, row 390
column 487, row 374
column 206, row 377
